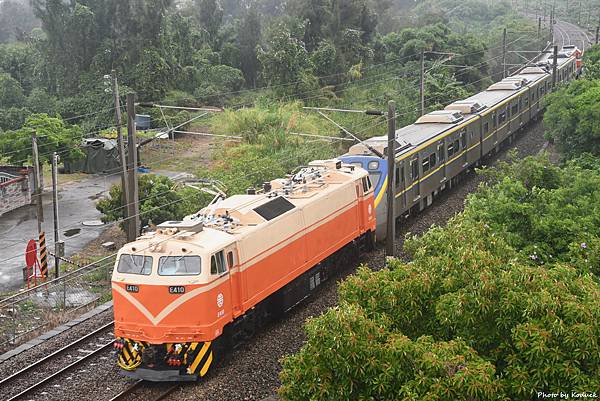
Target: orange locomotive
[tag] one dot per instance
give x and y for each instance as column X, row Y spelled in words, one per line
column 204, row 284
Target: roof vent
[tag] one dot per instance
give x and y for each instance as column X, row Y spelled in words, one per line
column 441, row 117
column 187, row 225
column 466, row 107
column 532, row 70
column 517, row 78
column 506, row 85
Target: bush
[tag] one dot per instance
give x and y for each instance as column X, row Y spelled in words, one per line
column 350, row 357
column 520, row 327
column 160, row 200
column 572, row 117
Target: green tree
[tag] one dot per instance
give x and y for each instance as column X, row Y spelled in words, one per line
column 572, row 117
column 11, row 93
column 53, row 136
column 591, row 62
column 349, row 356
column 248, row 38
column 160, row 200
column 210, row 17
column 284, row 58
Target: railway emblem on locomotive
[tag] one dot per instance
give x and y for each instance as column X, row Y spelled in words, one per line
column 220, row 300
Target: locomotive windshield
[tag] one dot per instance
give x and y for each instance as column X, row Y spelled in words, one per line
column 135, row 264
column 179, row 265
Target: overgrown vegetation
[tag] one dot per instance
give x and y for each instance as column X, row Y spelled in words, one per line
column 572, row 117
column 485, row 310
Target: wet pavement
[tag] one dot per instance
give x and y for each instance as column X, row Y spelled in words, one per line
column 76, row 205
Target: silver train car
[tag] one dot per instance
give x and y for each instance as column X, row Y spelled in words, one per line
column 432, row 153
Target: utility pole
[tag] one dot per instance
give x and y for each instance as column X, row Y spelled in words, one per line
column 422, row 85
column 133, row 207
column 57, row 247
column 554, row 67
column 121, row 144
column 40, row 207
column 552, row 26
column 504, row 53
column 597, row 34
column 391, row 160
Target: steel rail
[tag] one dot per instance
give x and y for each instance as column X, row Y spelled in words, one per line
column 133, row 387
column 127, row 391
column 53, row 355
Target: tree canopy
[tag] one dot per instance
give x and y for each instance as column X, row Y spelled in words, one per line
column 494, row 323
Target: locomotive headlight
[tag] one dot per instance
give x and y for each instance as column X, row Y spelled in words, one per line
column 373, row 165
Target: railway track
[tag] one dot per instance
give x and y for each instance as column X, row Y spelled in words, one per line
column 146, row 391
column 27, row 380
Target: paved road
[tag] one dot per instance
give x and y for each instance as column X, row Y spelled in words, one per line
column 76, row 205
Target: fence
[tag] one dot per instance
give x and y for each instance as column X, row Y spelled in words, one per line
column 28, row 313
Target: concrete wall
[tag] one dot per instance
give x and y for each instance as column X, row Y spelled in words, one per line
column 16, row 187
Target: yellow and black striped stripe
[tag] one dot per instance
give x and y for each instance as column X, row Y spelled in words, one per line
column 43, row 255
column 202, row 355
column 128, row 357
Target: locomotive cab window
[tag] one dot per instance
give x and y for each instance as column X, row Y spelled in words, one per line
column 366, row 184
column 230, row 259
column 179, row 265
column 217, row 263
column 135, row 264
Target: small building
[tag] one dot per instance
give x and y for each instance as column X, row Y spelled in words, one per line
column 16, row 187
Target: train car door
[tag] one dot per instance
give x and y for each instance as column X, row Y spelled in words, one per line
column 233, row 266
column 463, row 146
column 415, row 175
column 441, row 148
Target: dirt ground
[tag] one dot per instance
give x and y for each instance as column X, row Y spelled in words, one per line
column 186, row 154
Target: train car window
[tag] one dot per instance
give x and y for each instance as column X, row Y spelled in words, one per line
column 230, row 259
column 425, row 165
column 456, row 146
column 441, row 153
column 217, row 263
column 463, row 139
column 375, row 177
column 433, row 160
column 486, row 128
column 526, row 102
column 515, row 110
column 502, row 117
column 135, row 264
column 397, row 178
column 494, row 120
column 179, row 265
column 450, row 149
column 415, row 169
